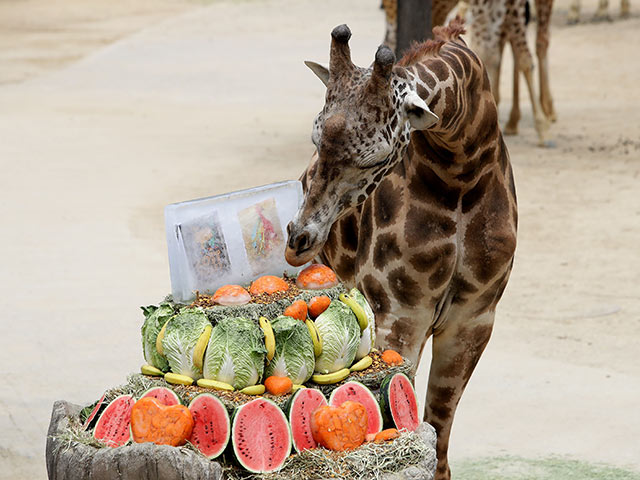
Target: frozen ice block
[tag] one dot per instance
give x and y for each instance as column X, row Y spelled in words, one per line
column 230, row 238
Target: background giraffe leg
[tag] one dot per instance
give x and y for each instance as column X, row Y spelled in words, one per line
column 602, row 14
column 625, row 8
column 525, row 63
column 511, row 128
column 544, row 8
column 456, row 351
column 574, row 12
column 440, row 10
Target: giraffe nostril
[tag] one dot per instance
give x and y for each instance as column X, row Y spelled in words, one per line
column 303, row 241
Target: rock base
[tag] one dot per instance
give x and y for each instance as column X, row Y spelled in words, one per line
column 146, row 461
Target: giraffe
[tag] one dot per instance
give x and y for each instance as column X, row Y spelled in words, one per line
column 410, row 197
column 494, row 22
column 602, row 13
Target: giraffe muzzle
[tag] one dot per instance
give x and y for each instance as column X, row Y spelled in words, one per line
column 301, row 246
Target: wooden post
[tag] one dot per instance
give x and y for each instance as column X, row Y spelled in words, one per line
column 414, row 23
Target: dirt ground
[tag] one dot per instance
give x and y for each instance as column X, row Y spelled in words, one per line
column 111, row 110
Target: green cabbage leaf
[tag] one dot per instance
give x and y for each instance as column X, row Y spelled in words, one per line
column 155, row 318
column 340, row 332
column 294, row 357
column 180, row 338
column 235, row 353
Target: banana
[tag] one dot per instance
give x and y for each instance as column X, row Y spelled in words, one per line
column 151, row 370
column 160, row 337
column 177, row 379
column 315, row 337
column 362, row 364
column 201, row 346
column 295, row 388
column 253, row 390
column 206, row 383
column 329, row 378
column 269, row 338
column 356, row 309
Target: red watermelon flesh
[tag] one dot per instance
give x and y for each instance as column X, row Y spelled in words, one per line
column 403, row 403
column 92, row 418
column 260, row 436
column 163, row 395
column 303, row 403
column 113, row 425
column 211, row 425
column 357, row 392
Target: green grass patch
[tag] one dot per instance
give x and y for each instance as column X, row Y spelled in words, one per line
column 552, row 468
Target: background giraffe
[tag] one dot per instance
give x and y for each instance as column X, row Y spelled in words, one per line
column 493, row 23
column 602, row 13
column 410, row 197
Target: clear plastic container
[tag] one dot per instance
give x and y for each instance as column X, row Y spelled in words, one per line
column 230, row 238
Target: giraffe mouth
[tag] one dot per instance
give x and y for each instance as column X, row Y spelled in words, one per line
column 297, row 258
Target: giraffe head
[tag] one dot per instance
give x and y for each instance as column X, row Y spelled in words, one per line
column 360, row 134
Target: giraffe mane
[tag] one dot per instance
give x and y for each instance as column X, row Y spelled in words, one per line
column 431, row 47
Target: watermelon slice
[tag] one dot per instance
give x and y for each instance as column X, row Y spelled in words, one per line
column 164, row 395
column 90, row 422
column 211, row 425
column 113, row 425
column 357, row 392
column 260, row 436
column 398, row 401
column 300, row 408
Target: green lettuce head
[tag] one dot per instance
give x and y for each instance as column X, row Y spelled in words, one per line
column 180, row 338
column 155, row 318
column 294, row 357
column 368, row 337
column 340, row 332
column 236, row 353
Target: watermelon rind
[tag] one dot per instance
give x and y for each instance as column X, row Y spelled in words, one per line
column 279, row 414
column 193, row 406
column 298, row 420
column 385, row 401
column 365, row 397
column 118, row 422
column 92, row 418
column 164, row 395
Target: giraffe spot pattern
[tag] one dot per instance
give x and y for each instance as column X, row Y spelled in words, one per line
column 388, row 201
column 423, row 226
column 404, row 288
column 375, row 293
column 385, row 250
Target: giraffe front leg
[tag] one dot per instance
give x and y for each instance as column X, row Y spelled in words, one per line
column 511, row 128
column 456, row 351
column 542, row 47
column 602, row 14
column 625, row 8
column 573, row 16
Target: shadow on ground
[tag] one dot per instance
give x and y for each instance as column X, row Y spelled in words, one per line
column 552, row 468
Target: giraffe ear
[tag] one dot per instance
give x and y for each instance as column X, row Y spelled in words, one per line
column 320, row 70
column 419, row 115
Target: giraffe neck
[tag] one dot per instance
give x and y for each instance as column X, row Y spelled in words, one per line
column 467, row 135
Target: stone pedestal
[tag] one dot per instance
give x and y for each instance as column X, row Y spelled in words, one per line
column 146, row 461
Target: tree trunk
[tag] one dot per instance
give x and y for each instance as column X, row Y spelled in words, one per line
column 414, row 23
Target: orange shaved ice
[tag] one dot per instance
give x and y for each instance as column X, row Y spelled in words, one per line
column 231, row 295
column 316, row 277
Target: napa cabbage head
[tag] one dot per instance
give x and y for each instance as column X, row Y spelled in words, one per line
column 235, row 353
column 368, row 336
column 340, row 332
column 294, row 357
column 180, row 338
column 155, row 318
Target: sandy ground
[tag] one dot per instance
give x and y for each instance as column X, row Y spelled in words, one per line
column 111, row 110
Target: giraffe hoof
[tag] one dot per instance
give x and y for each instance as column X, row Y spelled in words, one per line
column 510, row 130
column 547, row 144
